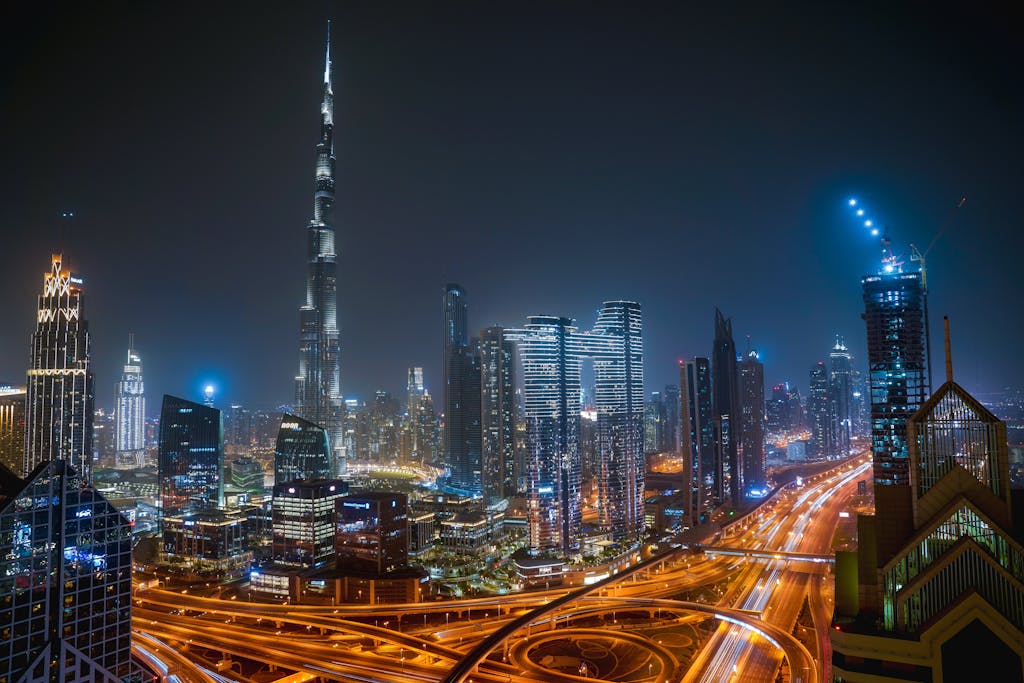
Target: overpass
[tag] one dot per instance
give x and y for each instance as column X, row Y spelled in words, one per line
column 768, row 554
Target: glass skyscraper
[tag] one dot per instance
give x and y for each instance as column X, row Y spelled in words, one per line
column 318, row 395
column 894, row 314
column 700, row 466
column 130, row 412
column 551, row 350
column 498, row 413
column 302, row 452
column 725, row 392
column 59, row 408
column 191, row 457
column 750, row 380
column 12, row 427
column 65, row 580
column 462, row 396
column 841, row 380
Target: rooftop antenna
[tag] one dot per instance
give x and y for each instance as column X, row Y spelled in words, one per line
column 949, row 352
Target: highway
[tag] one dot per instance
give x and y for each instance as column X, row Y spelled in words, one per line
column 501, row 638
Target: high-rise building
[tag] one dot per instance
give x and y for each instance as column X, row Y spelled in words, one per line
column 673, row 423
column 304, row 514
column 12, row 427
column 238, row 429
column 700, row 466
column 616, row 345
column 303, row 451
column 894, row 312
column 725, row 391
column 498, row 413
column 551, row 351
column 654, row 423
column 130, row 412
column 318, row 395
column 59, row 405
column 750, row 380
column 372, row 534
column 65, row 580
column 841, row 381
column 549, row 356
column 191, row 457
column 933, row 591
column 821, row 413
column 462, row 394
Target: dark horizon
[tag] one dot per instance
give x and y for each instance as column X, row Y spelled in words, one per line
column 543, row 158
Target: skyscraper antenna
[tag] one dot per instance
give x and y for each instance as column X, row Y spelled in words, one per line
column 949, row 351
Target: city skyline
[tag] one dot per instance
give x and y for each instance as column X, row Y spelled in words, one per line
column 393, row 284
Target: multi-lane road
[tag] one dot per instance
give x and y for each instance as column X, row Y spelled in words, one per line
column 758, row 601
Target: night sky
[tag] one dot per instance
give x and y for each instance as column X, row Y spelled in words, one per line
column 546, row 156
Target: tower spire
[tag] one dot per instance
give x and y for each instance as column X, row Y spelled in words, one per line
column 327, row 60
column 949, row 351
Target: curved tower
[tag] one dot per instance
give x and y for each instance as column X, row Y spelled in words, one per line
column 318, row 383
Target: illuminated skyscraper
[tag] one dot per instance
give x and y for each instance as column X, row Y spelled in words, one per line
column 726, row 406
column 191, row 457
column 318, row 395
column 673, row 422
column 130, row 412
column 302, row 452
column 750, row 379
column 65, row 580
column 462, row 394
column 59, row 408
column 841, row 381
column 616, row 345
column 934, row 590
column 700, row 466
column 549, row 353
column 894, row 313
column 821, row 413
column 12, row 427
column 498, row 412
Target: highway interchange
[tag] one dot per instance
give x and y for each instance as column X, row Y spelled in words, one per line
column 746, row 607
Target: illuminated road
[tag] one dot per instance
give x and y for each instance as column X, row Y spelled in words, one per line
column 433, row 641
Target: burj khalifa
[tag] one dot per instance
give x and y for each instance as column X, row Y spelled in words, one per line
column 318, row 395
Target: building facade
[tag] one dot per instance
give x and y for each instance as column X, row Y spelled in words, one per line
column 700, row 467
column 130, row 412
column 303, row 451
column 12, row 427
column 498, row 413
column 65, row 580
column 750, row 381
column 59, row 404
column 304, row 515
column 190, row 459
column 725, row 393
column 318, row 396
column 372, row 535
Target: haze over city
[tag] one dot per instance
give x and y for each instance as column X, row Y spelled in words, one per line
column 546, row 158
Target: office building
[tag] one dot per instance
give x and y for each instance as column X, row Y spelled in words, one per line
column 821, row 413
column 936, row 595
column 894, row 311
column 303, row 451
column 303, row 524
column 462, row 415
column 750, row 381
column 673, row 422
column 725, row 393
column 549, row 356
column 654, row 423
column 247, row 475
column 12, row 427
column 841, row 382
column 700, row 466
column 65, row 580
column 130, row 412
column 498, row 413
column 372, row 534
column 190, row 458
column 59, row 404
column 551, row 351
column 318, row 396
column 210, row 540
column 615, row 344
